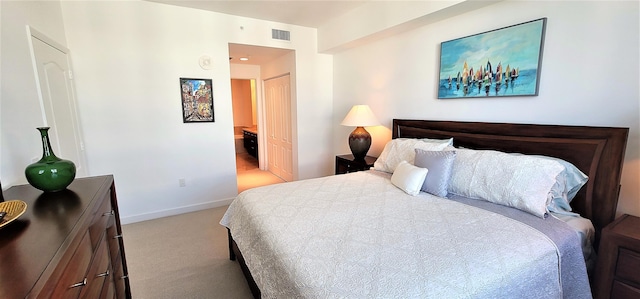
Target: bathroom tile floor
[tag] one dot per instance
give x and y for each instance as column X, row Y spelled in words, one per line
column 245, row 162
column 250, row 176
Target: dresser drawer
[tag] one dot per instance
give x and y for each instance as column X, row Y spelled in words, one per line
column 73, row 278
column 621, row 290
column 109, row 291
column 628, row 266
column 114, row 245
column 99, row 221
column 113, row 242
column 98, row 272
column 120, row 280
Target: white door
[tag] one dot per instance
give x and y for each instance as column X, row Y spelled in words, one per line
column 54, row 78
column 278, row 111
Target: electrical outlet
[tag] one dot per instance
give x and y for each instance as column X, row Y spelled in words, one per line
column 182, row 182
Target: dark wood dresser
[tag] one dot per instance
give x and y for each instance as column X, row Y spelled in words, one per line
column 618, row 270
column 68, row 244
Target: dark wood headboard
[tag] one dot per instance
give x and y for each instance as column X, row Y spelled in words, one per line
column 596, row 151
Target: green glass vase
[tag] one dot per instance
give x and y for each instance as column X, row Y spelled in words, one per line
column 51, row 173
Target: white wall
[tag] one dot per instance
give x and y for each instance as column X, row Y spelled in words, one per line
column 589, row 76
column 20, row 111
column 127, row 70
column 127, row 58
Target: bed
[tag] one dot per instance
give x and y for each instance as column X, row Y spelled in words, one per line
column 360, row 235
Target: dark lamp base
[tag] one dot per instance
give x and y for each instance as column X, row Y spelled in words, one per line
column 359, row 143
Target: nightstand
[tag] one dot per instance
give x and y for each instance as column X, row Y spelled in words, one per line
column 347, row 163
column 618, row 270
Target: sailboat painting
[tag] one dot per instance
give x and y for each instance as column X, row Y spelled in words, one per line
column 500, row 63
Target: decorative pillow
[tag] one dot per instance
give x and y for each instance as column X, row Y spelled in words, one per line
column 409, row 178
column 520, row 181
column 439, row 164
column 403, row 149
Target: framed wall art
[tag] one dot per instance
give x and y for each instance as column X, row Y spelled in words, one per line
column 197, row 100
column 499, row 63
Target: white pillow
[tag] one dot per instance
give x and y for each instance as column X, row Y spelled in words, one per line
column 520, row 181
column 567, row 185
column 409, row 178
column 403, row 149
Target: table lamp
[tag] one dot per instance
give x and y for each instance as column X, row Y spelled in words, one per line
column 360, row 116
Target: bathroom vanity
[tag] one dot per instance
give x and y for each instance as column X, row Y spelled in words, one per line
column 251, row 141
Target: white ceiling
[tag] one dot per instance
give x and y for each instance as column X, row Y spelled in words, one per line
column 296, row 12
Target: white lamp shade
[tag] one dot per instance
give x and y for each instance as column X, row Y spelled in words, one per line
column 360, row 116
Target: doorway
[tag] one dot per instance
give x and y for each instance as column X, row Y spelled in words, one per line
column 256, row 62
column 244, row 105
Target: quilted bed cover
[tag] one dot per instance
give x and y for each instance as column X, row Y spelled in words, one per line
column 358, row 236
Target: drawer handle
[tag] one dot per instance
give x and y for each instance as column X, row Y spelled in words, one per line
column 117, row 236
column 124, row 277
column 79, row 284
column 105, row 274
column 110, row 213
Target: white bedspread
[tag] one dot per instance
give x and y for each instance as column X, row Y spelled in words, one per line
column 358, row 236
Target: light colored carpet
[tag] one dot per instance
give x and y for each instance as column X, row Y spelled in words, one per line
column 184, row 256
column 187, row 256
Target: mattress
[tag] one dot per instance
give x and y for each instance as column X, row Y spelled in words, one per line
column 358, row 236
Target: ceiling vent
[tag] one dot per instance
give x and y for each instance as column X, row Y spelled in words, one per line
column 280, row 34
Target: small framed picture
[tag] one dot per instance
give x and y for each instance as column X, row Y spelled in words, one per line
column 197, row 100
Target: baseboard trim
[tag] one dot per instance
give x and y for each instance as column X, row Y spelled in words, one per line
column 175, row 211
